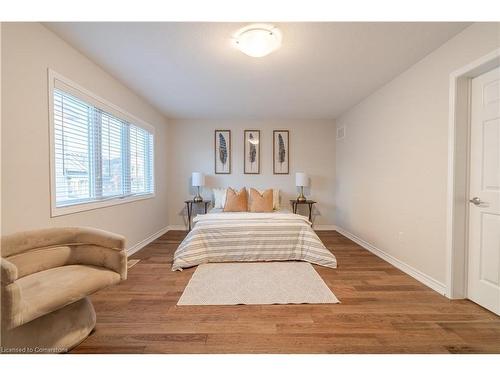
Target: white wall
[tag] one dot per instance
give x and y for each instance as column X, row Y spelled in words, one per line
column 28, row 49
column 312, row 150
column 391, row 171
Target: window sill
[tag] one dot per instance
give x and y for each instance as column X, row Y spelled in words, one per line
column 71, row 209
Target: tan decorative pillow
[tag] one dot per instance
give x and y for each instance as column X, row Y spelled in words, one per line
column 276, row 198
column 261, row 202
column 236, row 202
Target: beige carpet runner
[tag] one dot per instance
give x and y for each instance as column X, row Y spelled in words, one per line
column 256, row 284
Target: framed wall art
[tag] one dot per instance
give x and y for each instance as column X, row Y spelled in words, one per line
column 281, row 152
column 222, row 151
column 251, row 151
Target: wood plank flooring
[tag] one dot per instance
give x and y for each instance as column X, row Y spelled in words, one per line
column 382, row 311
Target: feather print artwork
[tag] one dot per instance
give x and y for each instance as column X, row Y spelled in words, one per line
column 281, row 150
column 252, row 155
column 222, row 149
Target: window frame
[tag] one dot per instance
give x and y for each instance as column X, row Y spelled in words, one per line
column 104, row 105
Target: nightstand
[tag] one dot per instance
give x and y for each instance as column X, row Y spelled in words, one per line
column 189, row 205
column 295, row 204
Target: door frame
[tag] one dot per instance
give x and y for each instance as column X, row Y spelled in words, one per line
column 457, row 215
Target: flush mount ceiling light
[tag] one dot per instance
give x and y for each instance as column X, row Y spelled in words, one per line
column 257, row 40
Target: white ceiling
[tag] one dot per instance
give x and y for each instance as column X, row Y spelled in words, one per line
column 190, row 70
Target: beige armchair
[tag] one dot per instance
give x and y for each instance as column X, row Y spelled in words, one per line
column 46, row 276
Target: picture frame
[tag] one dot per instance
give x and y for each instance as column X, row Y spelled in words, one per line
column 222, row 151
column 251, row 152
column 281, row 152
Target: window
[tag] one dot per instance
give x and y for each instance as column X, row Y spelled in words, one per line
column 100, row 157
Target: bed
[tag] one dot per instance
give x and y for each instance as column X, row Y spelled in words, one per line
column 251, row 237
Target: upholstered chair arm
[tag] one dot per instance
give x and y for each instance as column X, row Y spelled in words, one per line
column 99, row 256
column 35, row 239
column 10, row 293
column 11, row 306
column 92, row 236
column 8, row 271
column 103, row 249
column 85, row 245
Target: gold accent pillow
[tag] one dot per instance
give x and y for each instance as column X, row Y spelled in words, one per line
column 236, row 202
column 261, row 202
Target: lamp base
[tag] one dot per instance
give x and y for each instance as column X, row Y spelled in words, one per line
column 301, row 197
column 198, row 198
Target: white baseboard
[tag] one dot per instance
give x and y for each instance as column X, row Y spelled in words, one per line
column 177, row 227
column 138, row 246
column 413, row 272
column 324, row 227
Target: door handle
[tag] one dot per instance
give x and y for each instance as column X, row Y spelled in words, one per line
column 476, row 201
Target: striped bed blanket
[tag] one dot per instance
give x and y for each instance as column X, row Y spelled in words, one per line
column 251, row 237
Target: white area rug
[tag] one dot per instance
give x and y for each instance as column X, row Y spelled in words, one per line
column 256, row 284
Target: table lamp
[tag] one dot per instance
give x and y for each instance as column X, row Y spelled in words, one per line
column 301, row 180
column 198, row 179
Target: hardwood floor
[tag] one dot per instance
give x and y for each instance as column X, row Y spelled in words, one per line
column 382, row 311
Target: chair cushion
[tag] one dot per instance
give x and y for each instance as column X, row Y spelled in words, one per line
column 49, row 290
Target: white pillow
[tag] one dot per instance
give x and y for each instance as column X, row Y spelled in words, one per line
column 276, row 198
column 219, row 197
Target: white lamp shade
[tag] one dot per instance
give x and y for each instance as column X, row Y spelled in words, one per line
column 198, row 179
column 301, row 179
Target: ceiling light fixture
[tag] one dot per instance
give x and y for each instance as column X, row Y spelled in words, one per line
column 257, row 40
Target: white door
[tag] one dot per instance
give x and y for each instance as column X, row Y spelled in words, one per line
column 484, row 213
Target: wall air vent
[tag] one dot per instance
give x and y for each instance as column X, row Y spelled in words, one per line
column 341, row 132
